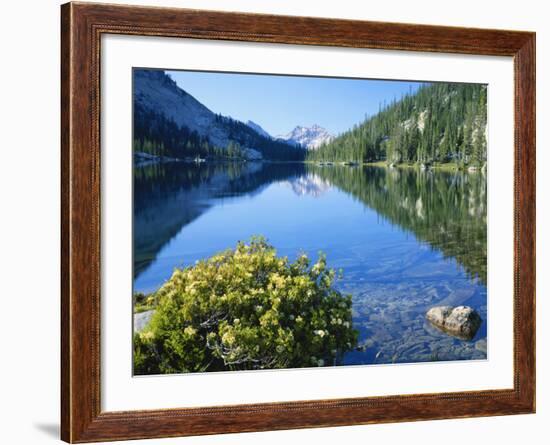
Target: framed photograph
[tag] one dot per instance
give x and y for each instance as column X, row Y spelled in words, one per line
column 274, row 222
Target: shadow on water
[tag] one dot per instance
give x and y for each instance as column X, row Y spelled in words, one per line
column 168, row 196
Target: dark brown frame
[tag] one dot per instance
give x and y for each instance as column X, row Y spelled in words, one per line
column 82, row 25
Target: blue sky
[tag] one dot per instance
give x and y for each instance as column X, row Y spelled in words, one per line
column 279, row 103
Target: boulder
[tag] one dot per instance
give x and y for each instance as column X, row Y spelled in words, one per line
column 142, row 319
column 437, row 315
column 461, row 321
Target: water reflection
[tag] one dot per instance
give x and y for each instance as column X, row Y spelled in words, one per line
column 446, row 209
column 405, row 239
column 309, row 184
column 168, row 196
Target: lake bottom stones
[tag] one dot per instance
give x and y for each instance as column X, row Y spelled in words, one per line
column 393, row 328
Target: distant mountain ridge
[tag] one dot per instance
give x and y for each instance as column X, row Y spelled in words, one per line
column 170, row 122
column 258, row 129
column 310, row 137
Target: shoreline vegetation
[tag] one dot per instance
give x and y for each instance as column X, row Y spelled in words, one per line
column 245, row 309
column 141, row 161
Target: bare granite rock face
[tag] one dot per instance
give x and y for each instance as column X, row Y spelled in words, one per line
column 461, row 321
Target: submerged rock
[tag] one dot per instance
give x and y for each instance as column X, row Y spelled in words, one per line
column 461, row 321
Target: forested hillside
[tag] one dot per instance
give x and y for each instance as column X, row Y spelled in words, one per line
column 168, row 121
column 158, row 135
column 442, row 122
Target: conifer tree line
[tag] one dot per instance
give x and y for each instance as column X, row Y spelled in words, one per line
column 158, row 135
column 440, row 122
column 273, row 149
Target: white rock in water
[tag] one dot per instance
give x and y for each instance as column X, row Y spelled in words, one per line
column 438, row 314
column 461, row 321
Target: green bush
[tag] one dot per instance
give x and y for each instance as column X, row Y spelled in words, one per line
column 246, row 309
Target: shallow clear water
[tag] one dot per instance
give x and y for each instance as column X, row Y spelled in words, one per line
column 406, row 240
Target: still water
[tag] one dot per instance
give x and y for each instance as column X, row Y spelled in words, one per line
column 406, row 240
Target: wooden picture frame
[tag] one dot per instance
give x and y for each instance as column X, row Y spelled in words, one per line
column 82, row 25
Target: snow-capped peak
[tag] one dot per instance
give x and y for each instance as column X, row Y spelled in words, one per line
column 310, row 137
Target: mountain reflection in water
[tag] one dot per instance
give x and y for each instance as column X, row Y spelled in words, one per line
column 405, row 239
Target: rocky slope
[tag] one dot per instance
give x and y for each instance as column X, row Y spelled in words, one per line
column 160, row 105
column 258, row 129
column 154, row 90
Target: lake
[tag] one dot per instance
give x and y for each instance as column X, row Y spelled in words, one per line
column 405, row 239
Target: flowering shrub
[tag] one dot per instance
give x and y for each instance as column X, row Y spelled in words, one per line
column 246, row 308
